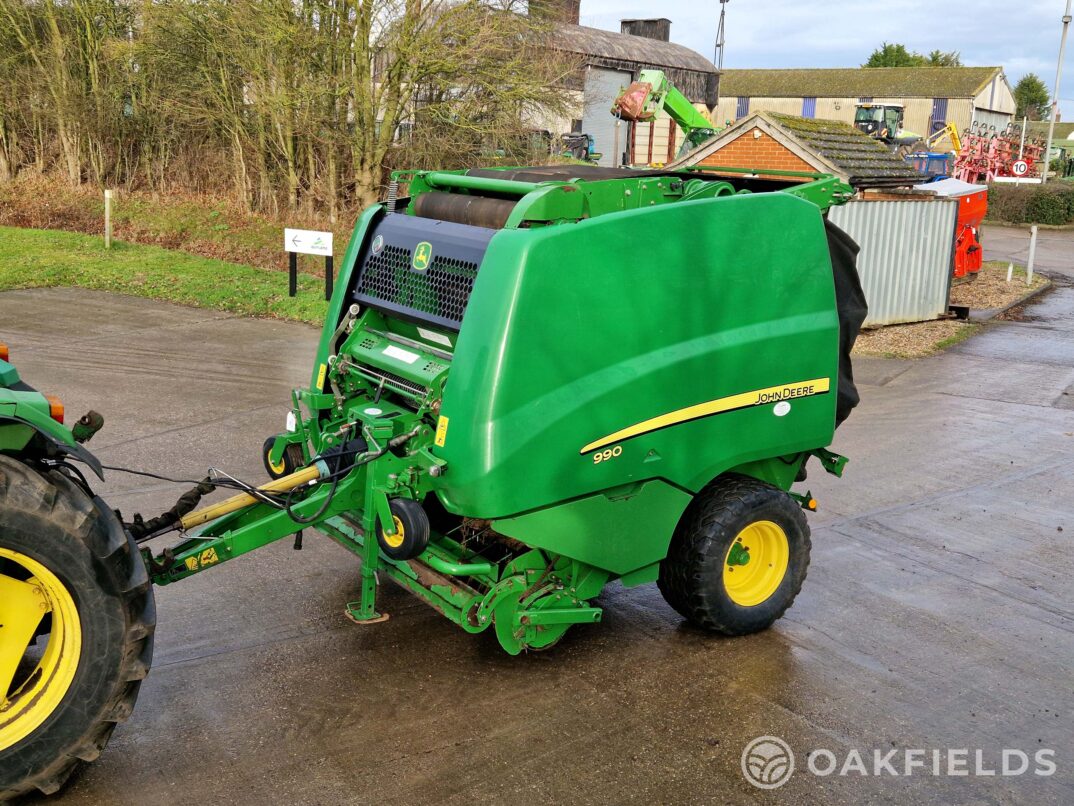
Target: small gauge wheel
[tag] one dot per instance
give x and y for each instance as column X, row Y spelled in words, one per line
column 292, row 459
column 411, row 530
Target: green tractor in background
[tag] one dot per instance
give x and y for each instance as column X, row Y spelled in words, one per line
column 530, row 382
column 883, row 122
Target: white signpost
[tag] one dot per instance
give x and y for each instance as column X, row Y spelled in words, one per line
column 308, row 242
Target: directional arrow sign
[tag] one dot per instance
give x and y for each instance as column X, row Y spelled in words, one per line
column 308, row 242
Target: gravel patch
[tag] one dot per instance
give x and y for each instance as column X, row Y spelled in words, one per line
column 990, row 289
column 915, row 340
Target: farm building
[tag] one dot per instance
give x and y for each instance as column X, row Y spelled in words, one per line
column 931, row 96
column 610, row 62
column 790, row 143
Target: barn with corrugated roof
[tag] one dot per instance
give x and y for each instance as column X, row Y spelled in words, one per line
column 931, row 96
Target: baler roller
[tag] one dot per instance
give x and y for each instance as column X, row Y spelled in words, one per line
column 476, row 211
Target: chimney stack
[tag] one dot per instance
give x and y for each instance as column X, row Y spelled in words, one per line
column 650, row 29
column 556, row 10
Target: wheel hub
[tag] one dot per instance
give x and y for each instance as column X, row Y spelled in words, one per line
column 756, row 563
column 32, row 685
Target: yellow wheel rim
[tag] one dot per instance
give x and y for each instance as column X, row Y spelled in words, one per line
column 276, row 467
column 396, row 540
column 33, row 681
column 756, row 563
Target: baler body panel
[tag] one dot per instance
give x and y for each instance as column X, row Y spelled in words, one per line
column 577, row 333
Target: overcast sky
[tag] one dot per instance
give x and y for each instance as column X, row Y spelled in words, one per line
column 1021, row 36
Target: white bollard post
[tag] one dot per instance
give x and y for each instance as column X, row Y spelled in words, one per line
column 1032, row 254
column 1010, row 272
column 107, row 219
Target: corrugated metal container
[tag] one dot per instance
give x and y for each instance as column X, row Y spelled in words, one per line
column 906, row 258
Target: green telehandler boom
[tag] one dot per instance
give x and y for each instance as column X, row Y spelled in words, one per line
column 530, row 382
column 653, row 93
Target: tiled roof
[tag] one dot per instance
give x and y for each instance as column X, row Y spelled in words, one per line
column 861, row 160
column 1039, row 128
column 867, row 162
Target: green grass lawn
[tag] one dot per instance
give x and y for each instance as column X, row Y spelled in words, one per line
column 208, row 226
column 46, row 258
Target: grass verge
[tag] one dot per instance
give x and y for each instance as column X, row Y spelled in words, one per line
column 199, row 224
column 47, row 258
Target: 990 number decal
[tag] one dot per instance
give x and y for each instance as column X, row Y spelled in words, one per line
column 606, row 454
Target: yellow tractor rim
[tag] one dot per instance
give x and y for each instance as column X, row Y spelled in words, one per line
column 756, row 563
column 395, row 540
column 32, row 685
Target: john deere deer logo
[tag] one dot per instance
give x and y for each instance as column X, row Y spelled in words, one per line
column 423, row 253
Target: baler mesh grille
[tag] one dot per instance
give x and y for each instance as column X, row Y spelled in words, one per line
column 442, row 290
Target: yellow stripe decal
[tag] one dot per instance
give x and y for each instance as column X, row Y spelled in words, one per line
column 744, row 400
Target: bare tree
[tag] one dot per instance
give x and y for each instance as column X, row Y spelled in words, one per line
column 301, row 105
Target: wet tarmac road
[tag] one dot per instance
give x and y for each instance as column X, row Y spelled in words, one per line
column 1055, row 247
column 938, row 612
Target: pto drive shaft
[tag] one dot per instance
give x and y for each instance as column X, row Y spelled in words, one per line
column 306, row 475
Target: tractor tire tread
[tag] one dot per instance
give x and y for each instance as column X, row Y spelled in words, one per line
column 56, row 497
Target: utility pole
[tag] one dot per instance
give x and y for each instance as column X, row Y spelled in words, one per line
column 720, row 36
column 1055, row 94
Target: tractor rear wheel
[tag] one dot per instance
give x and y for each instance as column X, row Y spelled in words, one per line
column 738, row 556
column 76, row 627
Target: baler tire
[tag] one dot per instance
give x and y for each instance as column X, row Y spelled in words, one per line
column 48, row 520
column 691, row 577
column 411, row 530
column 292, row 459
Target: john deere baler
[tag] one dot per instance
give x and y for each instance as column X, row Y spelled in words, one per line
column 530, row 382
column 533, row 381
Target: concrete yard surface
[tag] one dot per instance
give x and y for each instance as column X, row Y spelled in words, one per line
column 938, row 615
column 1055, row 247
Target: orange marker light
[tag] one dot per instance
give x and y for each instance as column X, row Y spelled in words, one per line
column 812, row 504
column 55, row 408
column 5, row 355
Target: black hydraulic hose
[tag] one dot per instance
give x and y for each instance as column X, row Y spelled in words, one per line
column 142, row 530
column 337, row 473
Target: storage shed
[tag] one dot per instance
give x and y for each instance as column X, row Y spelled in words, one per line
column 766, row 140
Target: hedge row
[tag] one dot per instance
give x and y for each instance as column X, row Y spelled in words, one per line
column 1032, row 204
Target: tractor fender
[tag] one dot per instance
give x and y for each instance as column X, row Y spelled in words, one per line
column 58, row 442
